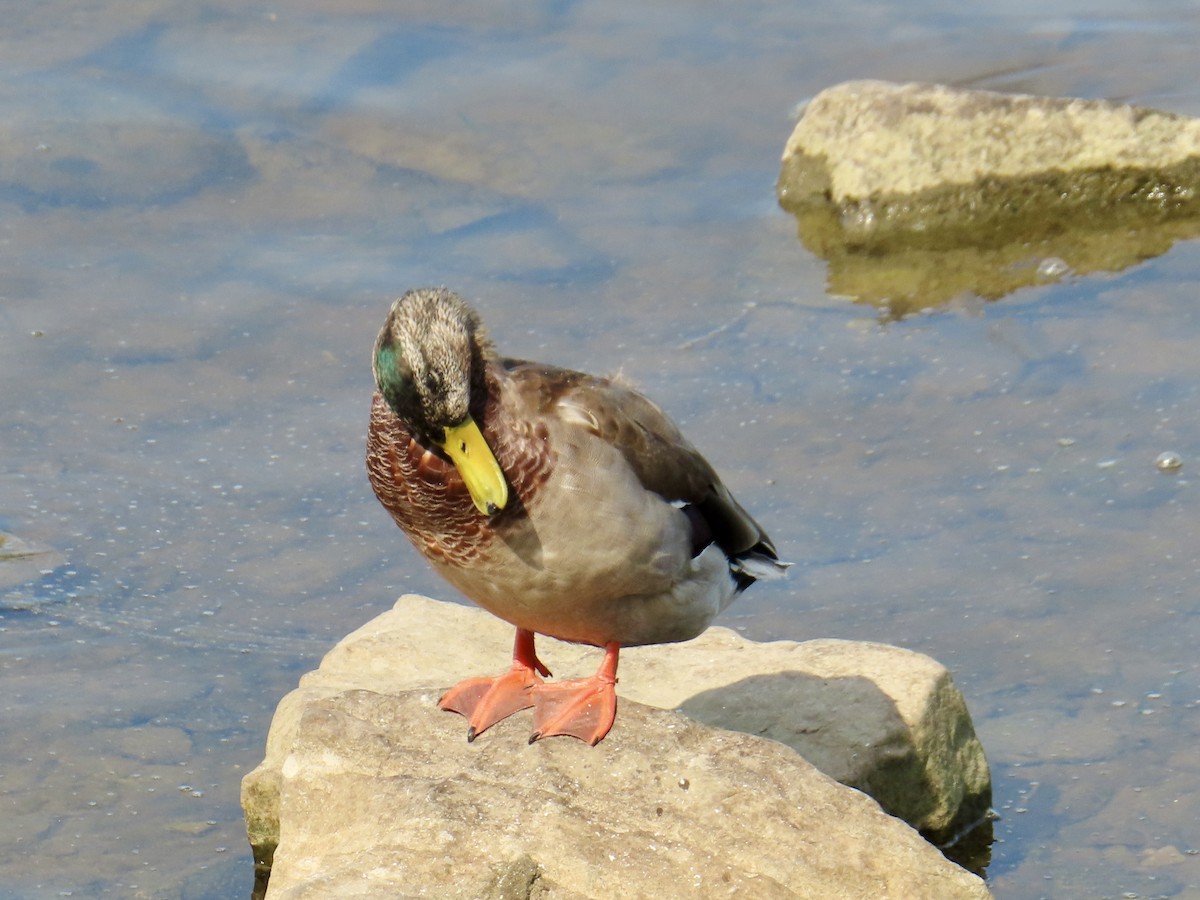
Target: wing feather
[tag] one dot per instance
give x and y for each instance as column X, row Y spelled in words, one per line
column 663, row 460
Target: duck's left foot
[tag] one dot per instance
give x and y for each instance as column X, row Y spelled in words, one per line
column 485, row 701
column 583, row 709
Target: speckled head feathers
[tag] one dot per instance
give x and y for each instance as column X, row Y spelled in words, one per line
column 428, row 356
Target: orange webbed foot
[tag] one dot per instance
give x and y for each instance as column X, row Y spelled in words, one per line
column 486, row 701
column 584, row 709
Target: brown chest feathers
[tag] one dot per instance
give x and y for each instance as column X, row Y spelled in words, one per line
column 426, row 496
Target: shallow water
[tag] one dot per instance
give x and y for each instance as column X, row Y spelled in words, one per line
column 206, row 210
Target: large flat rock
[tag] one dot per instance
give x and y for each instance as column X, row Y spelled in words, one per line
column 382, row 797
column 882, row 719
column 879, row 139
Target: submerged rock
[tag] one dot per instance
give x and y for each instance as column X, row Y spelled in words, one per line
column 24, row 561
column 917, row 193
column 368, row 789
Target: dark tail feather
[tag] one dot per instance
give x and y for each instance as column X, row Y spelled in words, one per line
column 720, row 519
column 759, row 563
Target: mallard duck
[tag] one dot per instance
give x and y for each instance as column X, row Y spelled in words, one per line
column 566, row 504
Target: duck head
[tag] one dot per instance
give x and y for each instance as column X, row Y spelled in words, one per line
column 429, row 362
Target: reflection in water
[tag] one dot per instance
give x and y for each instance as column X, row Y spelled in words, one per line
column 902, row 274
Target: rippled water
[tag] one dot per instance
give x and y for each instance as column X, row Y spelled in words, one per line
column 206, row 210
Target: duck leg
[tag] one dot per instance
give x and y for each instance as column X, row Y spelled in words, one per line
column 485, row 701
column 584, row 709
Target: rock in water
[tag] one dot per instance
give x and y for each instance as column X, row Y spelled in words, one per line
column 369, row 790
column 918, row 193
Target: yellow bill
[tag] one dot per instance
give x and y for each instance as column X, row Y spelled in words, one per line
column 473, row 458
